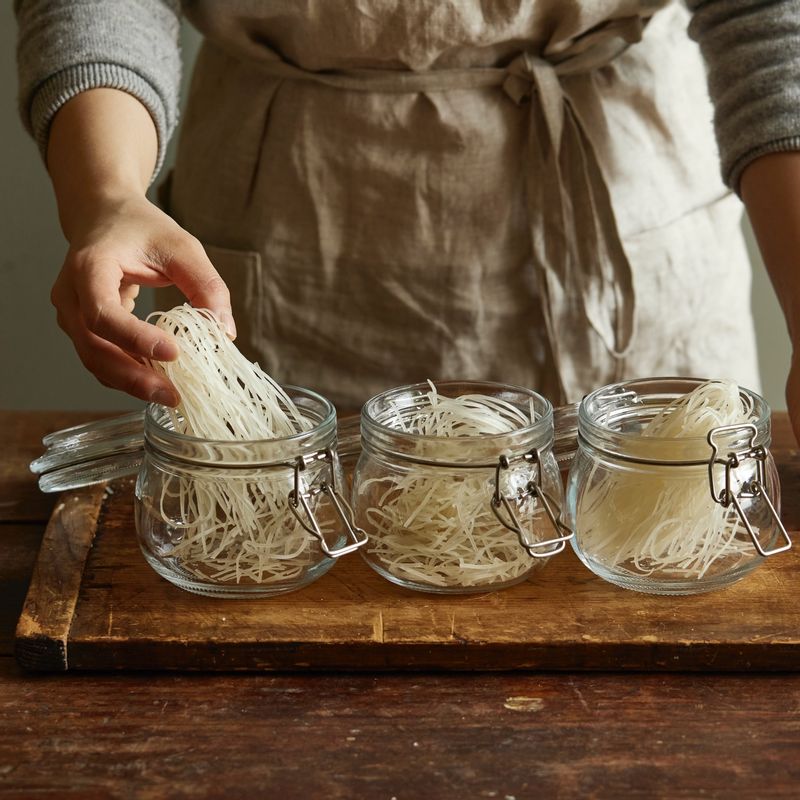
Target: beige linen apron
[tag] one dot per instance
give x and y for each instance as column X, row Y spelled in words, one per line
column 397, row 190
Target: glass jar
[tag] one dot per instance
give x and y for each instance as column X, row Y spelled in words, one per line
column 243, row 519
column 671, row 516
column 455, row 515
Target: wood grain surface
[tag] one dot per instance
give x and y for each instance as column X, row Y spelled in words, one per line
column 87, row 736
column 411, row 737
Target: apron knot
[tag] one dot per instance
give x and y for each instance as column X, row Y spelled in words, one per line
column 520, row 77
column 529, row 74
column 585, row 278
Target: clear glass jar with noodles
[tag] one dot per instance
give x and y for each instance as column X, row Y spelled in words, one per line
column 674, row 514
column 244, row 519
column 458, row 513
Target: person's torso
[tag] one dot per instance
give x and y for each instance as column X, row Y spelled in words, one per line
column 405, row 211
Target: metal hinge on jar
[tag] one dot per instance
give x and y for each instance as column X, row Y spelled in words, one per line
column 533, row 489
column 755, row 487
column 298, row 499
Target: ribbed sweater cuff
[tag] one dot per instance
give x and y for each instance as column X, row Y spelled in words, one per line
column 734, row 176
column 71, row 81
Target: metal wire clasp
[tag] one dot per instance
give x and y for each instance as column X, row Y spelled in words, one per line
column 534, row 489
column 755, row 487
column 299, row 499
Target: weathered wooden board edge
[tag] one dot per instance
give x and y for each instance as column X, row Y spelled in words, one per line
column 456, row 657
column 42, row 635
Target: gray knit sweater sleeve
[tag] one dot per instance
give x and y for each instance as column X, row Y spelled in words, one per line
column 752, row 49
column 68, row 46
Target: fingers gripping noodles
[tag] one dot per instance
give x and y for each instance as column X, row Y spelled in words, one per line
column 648, row 520
column 233, row 528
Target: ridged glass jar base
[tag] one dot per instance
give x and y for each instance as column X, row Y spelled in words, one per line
column 446, row 590
column 664, row 586
column 190, row 583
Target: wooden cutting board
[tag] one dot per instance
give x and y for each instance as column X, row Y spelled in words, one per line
column 94, row 603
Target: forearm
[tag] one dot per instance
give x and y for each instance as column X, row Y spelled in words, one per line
column 102, row 149
column 770, row 188
column 67, row 49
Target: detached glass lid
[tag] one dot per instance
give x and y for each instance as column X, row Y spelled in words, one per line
column 91, row 453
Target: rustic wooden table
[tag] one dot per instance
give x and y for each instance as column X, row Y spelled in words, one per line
column 513, row 735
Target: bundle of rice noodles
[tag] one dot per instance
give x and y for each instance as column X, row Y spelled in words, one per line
column 223, row 527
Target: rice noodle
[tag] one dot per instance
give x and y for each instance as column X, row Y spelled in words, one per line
column 433, row 525
column 229, row 527
column 661, row 520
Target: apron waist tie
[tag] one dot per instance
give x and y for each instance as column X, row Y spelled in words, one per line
column 581, row 266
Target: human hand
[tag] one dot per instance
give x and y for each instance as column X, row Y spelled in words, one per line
column 116, row 247
column 770, row 188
